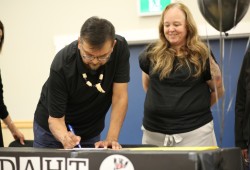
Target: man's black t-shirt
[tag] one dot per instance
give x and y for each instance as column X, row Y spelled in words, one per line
column 65, row 93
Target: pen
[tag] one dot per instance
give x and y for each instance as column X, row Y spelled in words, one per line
column 72, row 130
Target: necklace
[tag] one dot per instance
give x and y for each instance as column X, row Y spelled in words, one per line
column 97, row 85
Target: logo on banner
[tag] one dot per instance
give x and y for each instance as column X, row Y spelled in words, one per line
column 116, row 162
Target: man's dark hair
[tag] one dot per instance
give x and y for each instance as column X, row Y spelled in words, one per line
column 96, row 31
column 2, row 39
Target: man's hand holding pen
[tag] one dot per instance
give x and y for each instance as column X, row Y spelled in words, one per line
column 70, row 140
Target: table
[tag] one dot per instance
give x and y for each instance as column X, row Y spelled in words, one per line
column 139, row 158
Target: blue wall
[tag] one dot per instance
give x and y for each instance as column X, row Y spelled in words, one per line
column 231, row 62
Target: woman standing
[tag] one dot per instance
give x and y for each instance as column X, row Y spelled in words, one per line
column 4, row 115
column 182, row 81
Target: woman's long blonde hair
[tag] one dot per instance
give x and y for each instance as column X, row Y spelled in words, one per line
column 195, row 52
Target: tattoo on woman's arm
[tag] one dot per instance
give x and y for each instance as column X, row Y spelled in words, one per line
column 215, row 72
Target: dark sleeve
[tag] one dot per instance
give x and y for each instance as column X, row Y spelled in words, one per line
column 208, row 71
column 57, row 94
column 241, row 115
column 144, row 61
column 3, row 110
column 122, row 74
column 207, row 74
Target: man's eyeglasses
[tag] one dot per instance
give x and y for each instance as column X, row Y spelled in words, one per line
column 101, row 59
